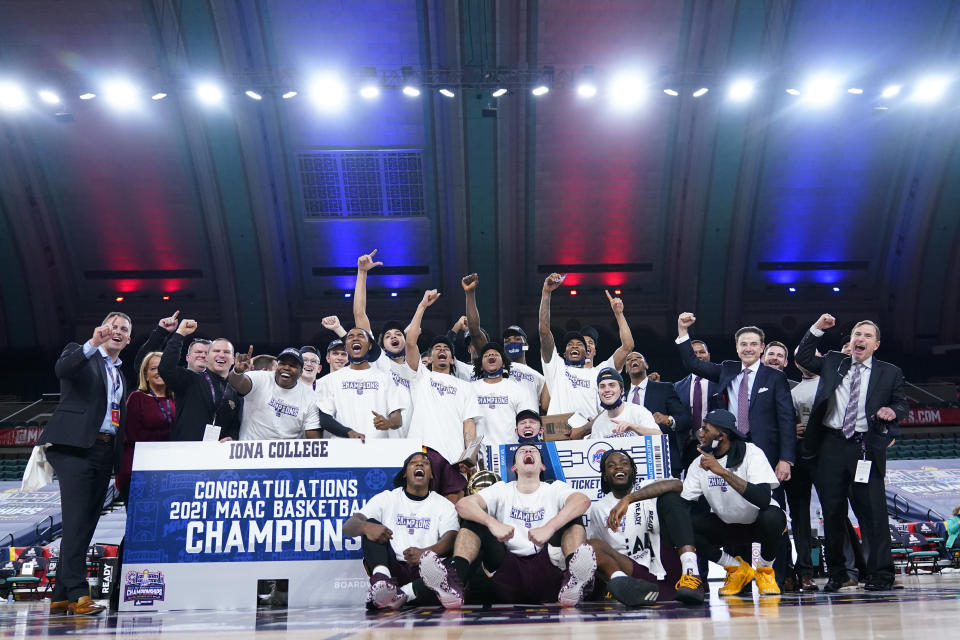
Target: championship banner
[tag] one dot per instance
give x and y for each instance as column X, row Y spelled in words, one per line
column 577, row 462
column 207, row 520
column 20, row 436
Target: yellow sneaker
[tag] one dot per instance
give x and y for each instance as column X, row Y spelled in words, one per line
column 766, row 583
column 737, row 578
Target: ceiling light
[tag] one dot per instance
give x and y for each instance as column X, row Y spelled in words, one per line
column 120, row 94
column 540, row 90
column 12, row 97
column 741, row 90
column 702, row 91
column 793, row 92
column 891, row 91
column 158, row 96
column 87, row 96
column 855, row 91
column 49, row 96
column 328, row 92
column 930, row 89
column 209, row 93
column 627, row 91
column 499, row 92
column 447, row 93
column 253, row 95
column 671, row 92
column 288, row 95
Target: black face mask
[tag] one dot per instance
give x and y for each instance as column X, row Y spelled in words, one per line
column 530, row 439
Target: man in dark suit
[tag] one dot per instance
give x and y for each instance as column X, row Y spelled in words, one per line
column 855, row 417
column 85, row 434
column 756, row 394
column 661, row 399
column 695, row 392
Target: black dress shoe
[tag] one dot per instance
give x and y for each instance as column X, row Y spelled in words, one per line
column 835, row 586
column 879, row 585
column 807, row 584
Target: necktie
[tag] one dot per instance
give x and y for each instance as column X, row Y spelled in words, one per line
column 636, row 395
column 850, row 414
column 743, row 403
column 697, row 404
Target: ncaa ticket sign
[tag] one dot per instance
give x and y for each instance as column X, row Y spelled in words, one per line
column 577, row 462
column 207, row 520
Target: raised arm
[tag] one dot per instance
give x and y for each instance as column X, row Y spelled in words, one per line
column 413, row 329
column 547, row 345
column 364, row 264
column 626, row 337
column 708, row 370
column 177, row 378
column 469, row 284
column 333, row 323
column 156, row 339
column 238, row 378
column 807, row 349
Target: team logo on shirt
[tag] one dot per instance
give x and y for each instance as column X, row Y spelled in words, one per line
column 491, row 402
column 575, row 381
column 717, row 481
column 519, row 376
column 373, row 385
column 400, row 381
column 281, row 408
column 411, row 522
column 444, row 389
column 526, row 517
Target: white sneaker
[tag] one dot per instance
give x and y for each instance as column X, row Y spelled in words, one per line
column 578, row 576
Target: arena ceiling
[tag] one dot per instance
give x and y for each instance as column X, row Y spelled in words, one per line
column 682, row 203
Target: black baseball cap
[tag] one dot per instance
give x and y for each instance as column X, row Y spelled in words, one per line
column 723, row 419
column 529, row 413
column 609, row 373
column 591, row 333
column 292, row 353
column 572, row 335
column 514, row 330
column 336, row 345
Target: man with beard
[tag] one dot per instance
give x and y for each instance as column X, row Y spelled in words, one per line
column 660, row 399
column 638, row 534
column 515, row 530
column 202, row 398
column 276, row 406
column 397, row 527
column 444, row 407
column 619, row 418
column 736, row 480
column 573, row 389
column 775, row 355
column 360, row 396
column 392, row 342
column 499, row 398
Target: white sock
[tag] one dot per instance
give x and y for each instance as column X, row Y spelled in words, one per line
column 618, row 574
column 688, row 560
column 765, row 563
column 381, row 569
column 726, row 560
column 408, row 591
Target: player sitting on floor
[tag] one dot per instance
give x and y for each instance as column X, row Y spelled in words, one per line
column 736, row 480
column 625, row 531
column 523, row 567
column 397, row 529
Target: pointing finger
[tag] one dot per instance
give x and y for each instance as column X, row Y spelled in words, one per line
column 372, row 253
column 250, row 352
column 609, row 297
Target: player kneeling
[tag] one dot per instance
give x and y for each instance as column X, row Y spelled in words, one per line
column 736, row 480
column 398, row 528
column 625, row 530
column 514, row 529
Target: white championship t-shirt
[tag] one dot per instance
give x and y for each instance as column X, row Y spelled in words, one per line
column 530, row 380
column 638, row 537
column 414, row 523
column 572, row 389
column 271, row 412
column 499, row 403
column 525, row 511
column 636, row 414
column 441, row 403
column 463, row 370
column 724, row 500
column 352, row 395
column 402, row 377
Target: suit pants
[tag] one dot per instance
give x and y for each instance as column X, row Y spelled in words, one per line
column 834, row 481
column 798, row 490
column 84, row 475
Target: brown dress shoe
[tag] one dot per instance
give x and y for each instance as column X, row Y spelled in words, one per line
column 59, row 606
column 807, row 584
column 85, row 606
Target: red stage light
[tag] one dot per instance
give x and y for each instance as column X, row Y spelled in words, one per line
column 573, row 292
column 165, row 298
column 118, row 299
column 617, row 292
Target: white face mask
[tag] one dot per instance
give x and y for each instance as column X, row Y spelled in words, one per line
column 714, row 445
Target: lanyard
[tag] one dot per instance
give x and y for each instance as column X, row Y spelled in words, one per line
column 164, row 405
column 213, row 396
column 116, row 390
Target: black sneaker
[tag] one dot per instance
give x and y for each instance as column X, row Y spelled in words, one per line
column 633, row 592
